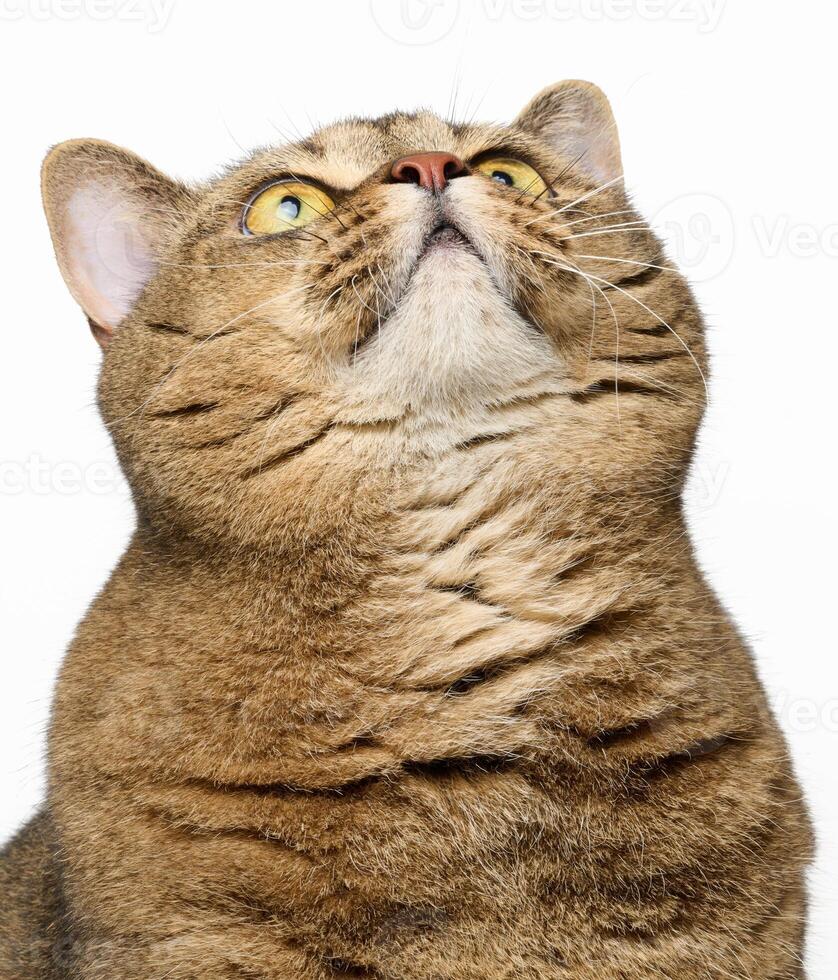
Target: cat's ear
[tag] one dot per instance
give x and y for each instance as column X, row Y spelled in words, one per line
column 110, row 215
column 575, row 118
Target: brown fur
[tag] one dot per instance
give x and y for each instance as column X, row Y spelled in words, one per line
column 409, row 671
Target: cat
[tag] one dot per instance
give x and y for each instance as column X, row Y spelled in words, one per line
column 408, row 671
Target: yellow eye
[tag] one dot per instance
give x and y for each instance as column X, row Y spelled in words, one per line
column 285, row 206
column 512, row 173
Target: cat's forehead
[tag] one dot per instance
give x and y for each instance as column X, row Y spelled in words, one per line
column 346, row 153
column 365, row 141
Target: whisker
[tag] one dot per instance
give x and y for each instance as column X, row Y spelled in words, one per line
column 592, row 217
column 616, row 320
column 614, row 230
column 348, row 205
column 319, row 324
column 455, row 93
column 248, row 205
column 612, row 125
column 323, row 214
column 226, row 126
column 357, row 337
column 645, row 265
column 299, row 136
column 640, row 303
column 268, row 430
column 616, row 352
column 389, row 297
column 377, row 315
column 241, row 265
column 579, row 200
column 529, row 185
column 599, row 217
column 650, row 380
column 565, row 170
column 363, row 305
column 470, row 120
column 286, row 136
column 360, row 298
column 196, row 347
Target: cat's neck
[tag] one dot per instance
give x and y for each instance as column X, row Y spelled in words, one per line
column 415, row 632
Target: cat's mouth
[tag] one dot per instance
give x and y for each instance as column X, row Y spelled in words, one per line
column 444, row 236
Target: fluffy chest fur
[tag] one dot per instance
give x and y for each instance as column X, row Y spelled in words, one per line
column 454, row 736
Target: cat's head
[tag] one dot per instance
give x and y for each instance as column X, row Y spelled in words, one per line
column 383, row 294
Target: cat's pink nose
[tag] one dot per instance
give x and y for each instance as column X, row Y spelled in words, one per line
column 432, row 171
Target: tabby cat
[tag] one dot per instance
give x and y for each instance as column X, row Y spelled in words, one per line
column 408, row 672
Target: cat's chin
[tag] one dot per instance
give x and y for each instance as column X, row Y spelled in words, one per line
column 454, row 343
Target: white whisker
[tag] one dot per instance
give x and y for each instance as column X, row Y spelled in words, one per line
column 194, row 349
column 640, row 303
column 613, row 230
column 579, row 200
column 599, row 217
column 243, row 265
column 360, row 297
column 616, row 320
column 319, row 324
column 268, row 430
column 647, row 265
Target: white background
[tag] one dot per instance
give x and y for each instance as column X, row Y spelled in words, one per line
column 727, row 113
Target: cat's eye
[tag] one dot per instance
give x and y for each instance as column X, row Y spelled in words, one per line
column 512, row 173
column 285, row 206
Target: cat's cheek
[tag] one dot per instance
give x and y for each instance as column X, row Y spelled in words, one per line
column 355, row 288
column 491, row 218
column 495, row 220
column 253, row 493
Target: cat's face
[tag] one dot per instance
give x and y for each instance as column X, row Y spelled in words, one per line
column 382, row 294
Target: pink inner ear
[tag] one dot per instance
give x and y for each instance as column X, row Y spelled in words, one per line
column 110, row 259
